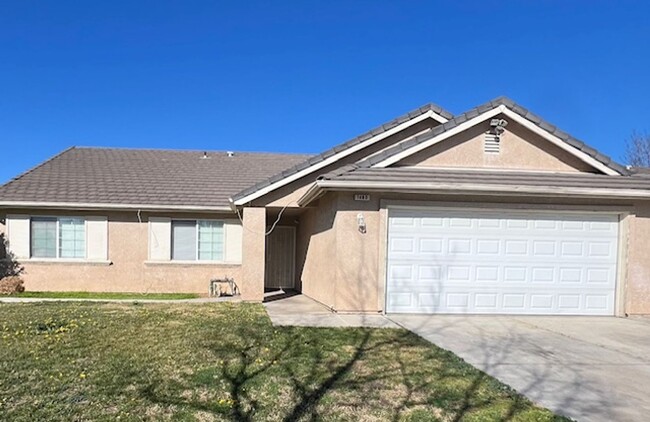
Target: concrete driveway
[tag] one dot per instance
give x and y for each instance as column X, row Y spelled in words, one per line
column 587, row 368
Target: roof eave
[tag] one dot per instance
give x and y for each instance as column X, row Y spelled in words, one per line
column 314, row 192
column 112, row 207
column 275, row 182
column 320, row 187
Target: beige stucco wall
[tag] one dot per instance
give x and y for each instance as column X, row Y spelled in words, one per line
column 253, row 254
column 129, row 270
column 337, row 264
column 637, row 288
column 519, row 149
column 357, row 255
column 316, row 252
column 344, row 269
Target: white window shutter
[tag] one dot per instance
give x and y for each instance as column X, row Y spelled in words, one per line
column 160, row 238
column 97, row 238
column 18, row 235
column 233, row 233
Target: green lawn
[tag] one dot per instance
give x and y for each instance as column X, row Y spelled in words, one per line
column 88, row 361
column 107, row 295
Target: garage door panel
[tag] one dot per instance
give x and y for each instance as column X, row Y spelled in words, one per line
column 498, row 302
column 487, row 274
column 524, row 263
column 418, row 246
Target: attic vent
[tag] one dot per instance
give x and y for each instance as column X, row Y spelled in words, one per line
column 492, row 143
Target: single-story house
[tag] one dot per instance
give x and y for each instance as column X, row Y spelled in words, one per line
column 491, row 211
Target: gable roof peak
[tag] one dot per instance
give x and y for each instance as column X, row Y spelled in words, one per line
column 503, row 100
column 601, row 160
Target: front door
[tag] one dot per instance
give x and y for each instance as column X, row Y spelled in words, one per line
column 280, row 258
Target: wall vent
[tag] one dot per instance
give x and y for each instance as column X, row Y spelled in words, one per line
column 492, row 143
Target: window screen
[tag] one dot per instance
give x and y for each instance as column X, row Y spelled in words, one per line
column 72, row 238
column 43, row 237
column 211, row 240
column 184, row 240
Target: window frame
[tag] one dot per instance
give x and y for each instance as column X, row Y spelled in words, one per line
column 57, row 219
column 197, row 241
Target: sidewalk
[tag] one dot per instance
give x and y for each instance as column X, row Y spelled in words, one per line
column 302, row 311
column 10, row 299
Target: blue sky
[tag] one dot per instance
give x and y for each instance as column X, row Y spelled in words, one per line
column 302, row 76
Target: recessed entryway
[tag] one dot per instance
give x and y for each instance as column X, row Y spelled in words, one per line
column 279, row 269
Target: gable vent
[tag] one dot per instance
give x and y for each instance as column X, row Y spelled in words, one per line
column 491, row 144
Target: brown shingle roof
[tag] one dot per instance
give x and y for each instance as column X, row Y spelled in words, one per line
column 144, row 177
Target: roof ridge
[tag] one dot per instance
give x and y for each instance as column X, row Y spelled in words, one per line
column 339, row 171
column 37, row 166
column 186, row 150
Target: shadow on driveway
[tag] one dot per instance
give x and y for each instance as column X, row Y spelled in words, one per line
column 587, row 368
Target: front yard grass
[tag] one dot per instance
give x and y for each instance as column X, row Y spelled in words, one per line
column 106, row 295
column 89, row 361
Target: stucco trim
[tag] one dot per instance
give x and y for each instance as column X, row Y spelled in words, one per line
column 61, row 261
column 499, row 206
column 216, row 264
column 621, row 271
column 382, row 273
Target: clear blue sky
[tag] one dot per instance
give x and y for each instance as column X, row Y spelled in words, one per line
column 302, row 76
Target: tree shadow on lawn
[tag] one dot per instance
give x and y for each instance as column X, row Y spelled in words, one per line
column 359, row 371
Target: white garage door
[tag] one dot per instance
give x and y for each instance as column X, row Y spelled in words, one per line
column 448, row 261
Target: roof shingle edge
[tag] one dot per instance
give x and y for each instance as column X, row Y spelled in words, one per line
column 36, row 167
column 345, row 145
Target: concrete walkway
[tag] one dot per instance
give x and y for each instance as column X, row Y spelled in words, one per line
column 5, row 299
column 587, row 368
column 299, row 310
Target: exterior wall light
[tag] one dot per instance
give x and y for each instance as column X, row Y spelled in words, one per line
column 361, row 222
